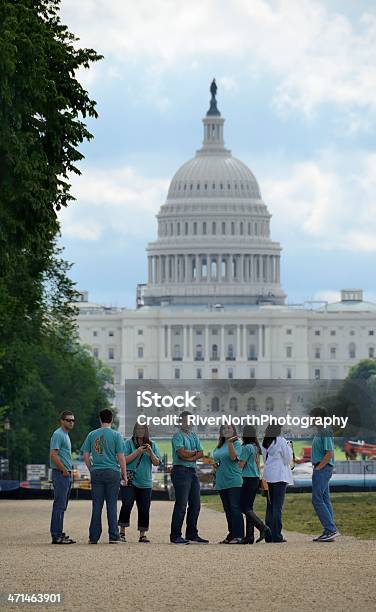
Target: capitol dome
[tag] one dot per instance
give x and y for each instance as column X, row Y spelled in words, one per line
column 214, row 243
column 215, row 174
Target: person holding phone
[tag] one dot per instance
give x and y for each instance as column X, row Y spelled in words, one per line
column 141, row 454
column 277, row 454
column 250, row 465
column 229, row 481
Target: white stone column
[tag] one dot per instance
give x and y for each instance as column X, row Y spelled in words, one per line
column 169, row 342
column 222, row 347
column 237, row 351
column 241, row 269
column 190, row 340
column 206, row 347
column 244, row 340
column 149, row 270
column 186, row 277
column 185, row 341
column 198, row 268
column 259, row 338
column 161, row 342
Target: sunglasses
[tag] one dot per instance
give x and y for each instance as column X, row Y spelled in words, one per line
column 69, row 420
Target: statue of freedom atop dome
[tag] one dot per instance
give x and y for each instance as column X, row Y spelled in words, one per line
column 213, row 110
column 213, row 88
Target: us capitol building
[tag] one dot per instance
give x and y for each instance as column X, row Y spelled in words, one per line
column 213, row 306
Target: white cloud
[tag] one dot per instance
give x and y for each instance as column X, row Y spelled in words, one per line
column 330, row 200
column 316, row 54
column 110, row 203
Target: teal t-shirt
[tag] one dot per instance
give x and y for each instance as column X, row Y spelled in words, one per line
column 249, row 454
column 228, row 473
column 143, row 475
column 321, row 443
column 60, row 441
column 189, row 441
column 103, row 444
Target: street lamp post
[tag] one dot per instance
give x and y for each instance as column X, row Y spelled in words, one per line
column 7, row 429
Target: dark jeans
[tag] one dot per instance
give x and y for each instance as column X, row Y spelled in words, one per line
column 249, row 491
column 187, row 491
column 231, row 500
column 104, row 486
column 142, row 497
column 273, row 518
column 62, row 487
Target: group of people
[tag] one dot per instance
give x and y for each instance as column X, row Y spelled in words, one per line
column 115, row 463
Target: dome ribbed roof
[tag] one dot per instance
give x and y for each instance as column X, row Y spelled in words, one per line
column 214, row 176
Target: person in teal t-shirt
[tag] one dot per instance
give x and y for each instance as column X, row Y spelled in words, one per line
column 186, row 449
column 229, row 481
column 61, row 466
column 141, row 454
column 104, row 457
column 322, row 463
column 249, row 462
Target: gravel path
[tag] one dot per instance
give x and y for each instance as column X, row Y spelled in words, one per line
column 297, row 575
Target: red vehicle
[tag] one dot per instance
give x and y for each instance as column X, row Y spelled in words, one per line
column 352, row 449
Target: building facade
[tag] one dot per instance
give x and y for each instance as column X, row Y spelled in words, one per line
column 213, row 306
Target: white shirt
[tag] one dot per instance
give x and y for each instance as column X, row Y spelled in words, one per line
column 277, row 459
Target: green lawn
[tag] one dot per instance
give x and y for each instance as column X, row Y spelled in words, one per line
column 355, row 513
column 164, row 445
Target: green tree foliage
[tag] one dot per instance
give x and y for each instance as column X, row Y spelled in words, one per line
column 356, row 399
column 42, row 111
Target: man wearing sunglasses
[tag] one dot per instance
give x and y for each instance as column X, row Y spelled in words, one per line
column 61, row 464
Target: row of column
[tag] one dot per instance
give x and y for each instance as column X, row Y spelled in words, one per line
column 188, row 342
column 213, row 268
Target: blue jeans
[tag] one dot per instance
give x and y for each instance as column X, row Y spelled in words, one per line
column 187, row 491
column 62, row 487
column 231, row 501
column 321, row 497
column 274, row 507
column 104, row 486
column 142, row 497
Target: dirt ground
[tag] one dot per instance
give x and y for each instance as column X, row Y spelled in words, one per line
column 297, row 575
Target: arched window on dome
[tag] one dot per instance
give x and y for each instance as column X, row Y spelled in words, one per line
column 186, row 228
column 213, row 186
column 214, row 228
column 221, row 186
column 185, row 186
column 204, row 228
column 198, row 186
column 249, row 229
column 256, row 229
column 223, row 227
column 191, row 186
column 171, row 229
column 205, row 186
column 178, row 229
column 228, row 186
column 232, row 228
column 241, row 228
column 242, row 187
column 195, row 228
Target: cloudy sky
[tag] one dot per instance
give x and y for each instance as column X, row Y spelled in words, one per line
column 297, row 86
